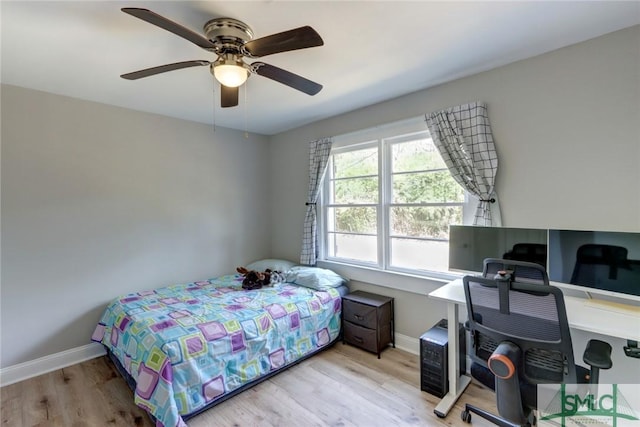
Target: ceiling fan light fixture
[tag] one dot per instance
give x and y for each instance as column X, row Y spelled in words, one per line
column 229, row 72
column 230, row 75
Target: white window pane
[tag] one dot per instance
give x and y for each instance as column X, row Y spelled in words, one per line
column 424, row 221
column 426, row 187
column 355, row 163
column 354, row 247
column 355, row 190
column 354, row 220
column 420, row 254
column 417, row 155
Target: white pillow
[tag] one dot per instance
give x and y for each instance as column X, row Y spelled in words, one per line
column 315, row 278
column 281, row 265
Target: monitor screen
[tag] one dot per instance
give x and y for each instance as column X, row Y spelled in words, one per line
column 470, row 245
column 603, row 260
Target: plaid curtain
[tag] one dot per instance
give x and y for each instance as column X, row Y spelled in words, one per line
column 463, row 137
column 318, row 157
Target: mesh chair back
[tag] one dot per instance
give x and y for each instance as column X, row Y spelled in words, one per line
column 529, row 315
column 521, row 271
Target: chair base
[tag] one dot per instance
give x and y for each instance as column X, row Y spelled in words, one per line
column 495, row 419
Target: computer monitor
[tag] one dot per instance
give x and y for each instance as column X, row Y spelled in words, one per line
column 470, row 245
column 596, row 260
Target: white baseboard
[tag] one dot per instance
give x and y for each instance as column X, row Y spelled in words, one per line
column 408, row 344
column 43, row 365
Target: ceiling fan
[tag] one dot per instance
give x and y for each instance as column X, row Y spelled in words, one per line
column 232, row 40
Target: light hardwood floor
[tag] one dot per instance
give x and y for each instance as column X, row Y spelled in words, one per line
column 342, row 386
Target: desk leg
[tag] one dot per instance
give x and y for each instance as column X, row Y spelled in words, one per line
column 457, row 383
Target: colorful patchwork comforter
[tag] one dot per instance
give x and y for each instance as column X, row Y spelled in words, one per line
column 188, row 345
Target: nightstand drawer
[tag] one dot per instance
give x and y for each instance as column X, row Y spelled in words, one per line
column 360, row 337
column 360, row 314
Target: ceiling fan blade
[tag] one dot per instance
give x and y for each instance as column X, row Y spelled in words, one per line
column 162, row 69
column 175, row 28
column 298, row 38
column 229, row 96
column 285, row 77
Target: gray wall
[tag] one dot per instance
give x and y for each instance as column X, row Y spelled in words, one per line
column 566, row 129
column 98, row 201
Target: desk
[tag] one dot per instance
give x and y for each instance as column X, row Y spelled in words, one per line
column 601, row 317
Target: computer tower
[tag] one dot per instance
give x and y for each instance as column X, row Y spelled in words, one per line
column 434, row 372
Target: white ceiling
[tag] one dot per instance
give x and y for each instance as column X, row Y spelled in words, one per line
column 373, row 51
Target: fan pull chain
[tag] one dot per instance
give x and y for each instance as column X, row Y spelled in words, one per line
column 246, row 108
column 214, row 104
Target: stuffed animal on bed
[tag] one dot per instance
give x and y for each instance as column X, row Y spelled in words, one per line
column 253, row 279
column 277, row 276
column 256, row 279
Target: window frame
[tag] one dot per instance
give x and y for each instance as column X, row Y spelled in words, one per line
column 382, row 137
column 325, row 206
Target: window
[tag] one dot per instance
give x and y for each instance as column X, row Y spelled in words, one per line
column 388, row 201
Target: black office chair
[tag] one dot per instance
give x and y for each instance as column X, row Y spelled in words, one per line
column 520, row 338
column 522, row 271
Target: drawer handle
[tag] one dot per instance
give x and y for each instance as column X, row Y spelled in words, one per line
column 358, row 339
column 357, row 316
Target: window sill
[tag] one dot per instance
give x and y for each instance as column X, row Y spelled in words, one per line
column 413, row 283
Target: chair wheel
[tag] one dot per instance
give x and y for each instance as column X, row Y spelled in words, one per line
column 466, row 416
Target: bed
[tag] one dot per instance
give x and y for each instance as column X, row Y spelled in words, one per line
column 184, row 348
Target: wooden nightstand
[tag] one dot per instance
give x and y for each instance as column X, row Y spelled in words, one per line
column 367, row 321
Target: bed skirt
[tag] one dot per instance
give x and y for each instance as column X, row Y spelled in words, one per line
column 132, row 384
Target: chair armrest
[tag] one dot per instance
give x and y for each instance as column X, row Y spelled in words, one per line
column 598, row 354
